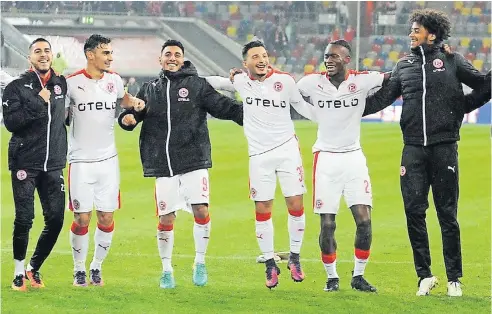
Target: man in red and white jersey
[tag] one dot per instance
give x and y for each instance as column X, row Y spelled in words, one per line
column 273, row 149
column 94, row 175
column 339, row 97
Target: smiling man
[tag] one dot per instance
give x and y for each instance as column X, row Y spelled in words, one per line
column 175, row 149
column 430, row 83
column 33, row 110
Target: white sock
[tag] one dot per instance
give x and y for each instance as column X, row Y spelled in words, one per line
column 19, row 267
column 80, row 245
column 102, row 242
column 264, row 236
column 331, row 270
column 296, row 225
column 360, row 266
column 201, row 233
column 165, row 244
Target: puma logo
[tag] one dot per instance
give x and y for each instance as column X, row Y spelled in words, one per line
column 5, row 103
column 163, row 239
column 81, row 88
column 410, row 61
column 78, row 251
column 30, row 85
column 452, row 168
column 104, row 247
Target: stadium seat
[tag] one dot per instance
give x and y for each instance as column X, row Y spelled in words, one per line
column 458, row 5
column 393, row 56
column 379, row 63
column 390, row 40
column 376, row 48
column 476, row 11
column 272, row 59
column 308, row 69
column 386, row 48
column 232, row 31
column 489, row 28
column 486, row 42
column 478, row 64
column 465, row 11
column 470, row 56
column 397, row 48
column 250, row 37
column 481, row 56
column 465, row 42
column 367, row 62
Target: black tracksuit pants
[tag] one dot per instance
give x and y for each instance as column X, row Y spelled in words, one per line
column 437, row 167
column 51, row 191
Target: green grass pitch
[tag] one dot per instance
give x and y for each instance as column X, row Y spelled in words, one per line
column 236, row 282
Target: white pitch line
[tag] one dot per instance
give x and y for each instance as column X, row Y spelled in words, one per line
column 241, row 258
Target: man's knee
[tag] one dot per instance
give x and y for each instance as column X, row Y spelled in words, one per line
column 264, row 207
column 167, row 220
column 82, row 219
column 328, row 226
column 364, row 228
column 105, row 219
column 200, row 210
column 22, row 226
column 294, row 203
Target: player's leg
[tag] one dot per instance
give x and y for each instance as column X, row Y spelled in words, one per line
column 23, row 186
column 414, row 183
column 291, row 177
column 81, row 198
column 327, row 190
column 196, row 191
column 262, row 181
column 106, row 201
column 51, row 191
column 445, row 189
column 167, row 198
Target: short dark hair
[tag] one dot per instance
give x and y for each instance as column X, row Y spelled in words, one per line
column 95, row 40
column 37, row 40
column 434, row 21
column 173, row 42
column 343, row 43
column 252, row 44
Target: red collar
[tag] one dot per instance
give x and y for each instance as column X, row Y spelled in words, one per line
column 44, row 80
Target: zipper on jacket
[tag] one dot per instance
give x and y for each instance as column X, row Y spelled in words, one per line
column 424, row 128
column 168, row 98
column 45, row 165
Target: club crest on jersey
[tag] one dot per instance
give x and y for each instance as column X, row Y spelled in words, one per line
column 278, row 86
column 403, row 171
column 57, row 89
column 76, row 204
column 253, row 192
column 162, row 205
column 318, row 204
column 21, row 175
column 110, row 87
column 183, row 94
column 352, row 87
column 437, row 63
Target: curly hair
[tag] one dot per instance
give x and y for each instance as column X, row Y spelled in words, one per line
column 434, row 21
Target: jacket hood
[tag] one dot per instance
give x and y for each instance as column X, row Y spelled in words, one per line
column 188, row 69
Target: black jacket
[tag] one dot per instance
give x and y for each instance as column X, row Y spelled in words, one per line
column 39, row 136
column 430, row 83
column 174, row 138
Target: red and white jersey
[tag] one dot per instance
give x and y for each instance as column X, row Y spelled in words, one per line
column 339, row 111
column 267, row 122
column 93, row 104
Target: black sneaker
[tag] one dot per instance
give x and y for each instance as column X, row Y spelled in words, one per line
column 95, row 277
column 79, row 279
column 359, row 283
column 294, row 266
column 333, row 284
column 19, row 283
column 272, row 272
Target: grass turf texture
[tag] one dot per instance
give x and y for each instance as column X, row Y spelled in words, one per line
column 236, row 283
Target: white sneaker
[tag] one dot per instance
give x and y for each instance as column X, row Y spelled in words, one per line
column 454, row 289
column 426, row 285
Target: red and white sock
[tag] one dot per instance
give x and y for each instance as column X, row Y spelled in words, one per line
column 296, row 224
column 361, row 257
column 165, row 244
column 264, row 234
column 79, row 240
column 102, row 240
column 201, row 234
column 330, row 263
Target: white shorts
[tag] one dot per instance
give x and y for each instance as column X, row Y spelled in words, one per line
column 94, row 185
column 181, row 191
column 337, row 174
column 284, row 162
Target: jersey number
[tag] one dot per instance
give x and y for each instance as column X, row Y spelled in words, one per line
column 204, row 184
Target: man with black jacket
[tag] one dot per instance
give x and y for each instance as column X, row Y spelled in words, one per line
column 430, row 82
column 175, row 149
column 34, row 112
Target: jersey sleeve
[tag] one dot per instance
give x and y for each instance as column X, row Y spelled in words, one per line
column 220, row 83
column 303, row 86
column 120, row 88
column 373, row 80
column 298, row 101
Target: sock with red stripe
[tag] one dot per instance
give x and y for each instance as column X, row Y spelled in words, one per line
column 361, row 257
column 79, row 240
column 102, row 240
column 330, row 263
column 201, row 234
column 296, row 224
column 264, row 234
column 165, row 244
